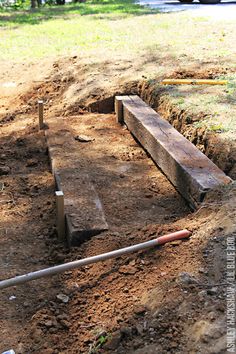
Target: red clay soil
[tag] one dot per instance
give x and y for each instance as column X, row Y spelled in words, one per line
column 166, row 300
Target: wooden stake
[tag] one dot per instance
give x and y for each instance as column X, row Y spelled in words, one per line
column 60, row 215
column 40, row 109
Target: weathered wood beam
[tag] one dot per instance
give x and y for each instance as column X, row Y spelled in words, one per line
column 188, row 169
column 83, row 210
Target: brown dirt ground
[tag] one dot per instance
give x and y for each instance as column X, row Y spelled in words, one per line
column 141, row 303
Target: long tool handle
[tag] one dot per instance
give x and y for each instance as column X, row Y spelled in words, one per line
column 90, row 260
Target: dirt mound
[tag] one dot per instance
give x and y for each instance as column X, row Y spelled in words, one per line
column 208, row 73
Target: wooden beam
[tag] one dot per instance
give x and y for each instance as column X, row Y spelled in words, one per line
column 119, row 108
column 189, row 170
column 84, row 213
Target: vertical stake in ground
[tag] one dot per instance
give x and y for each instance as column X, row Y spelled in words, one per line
column 40, row 110
column 60, row 215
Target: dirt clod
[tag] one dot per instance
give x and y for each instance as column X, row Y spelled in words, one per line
column 4, row 170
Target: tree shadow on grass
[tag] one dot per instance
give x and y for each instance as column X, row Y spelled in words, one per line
column 116, row 8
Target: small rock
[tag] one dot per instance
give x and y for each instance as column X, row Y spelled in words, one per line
column 173, row 345
column 63, row 298
column 132, row 263
column 4, row 170
column 176, row 243
column 113, row 342
column 48, row 351
column 127, row 270
column 220, row 307
column 163, row 274
column 202, row 294
column 212, row 291
column 212, row 316
column 137, row 343
column 205, row 338
column 48, row 323
column 65, row 324
column 126, row 331
column 62, row 317
column 59, row 257
column 12, row 297
column 84, row 138
column 20, row 348
column 186, row 278
column 155, row 323
column 203, row 271
column 31, row 163
column 140, row 310
column 36, row 334
column 139, row 329
column 52, row 330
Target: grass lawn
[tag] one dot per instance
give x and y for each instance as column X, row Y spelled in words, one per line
column 117, row 25
column 216, row 103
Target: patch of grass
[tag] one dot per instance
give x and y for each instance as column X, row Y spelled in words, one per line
column 109, row 26
column 231, row 92
column 99, row 341
column 215, row 103
column 213, row 125
column 118, row 8
column 73, row 28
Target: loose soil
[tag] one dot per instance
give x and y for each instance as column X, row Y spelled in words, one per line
column 166, row 300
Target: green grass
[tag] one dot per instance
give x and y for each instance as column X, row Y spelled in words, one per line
column 61, row 30
column 118, row 9
column 112, row 26
column 215, row 104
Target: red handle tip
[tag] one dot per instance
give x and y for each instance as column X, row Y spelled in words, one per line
column 178, row 235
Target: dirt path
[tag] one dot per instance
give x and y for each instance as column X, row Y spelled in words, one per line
column 167, row 300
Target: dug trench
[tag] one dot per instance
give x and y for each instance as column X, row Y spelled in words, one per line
column 221, row 151
column 166, row 300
